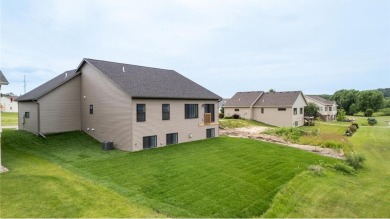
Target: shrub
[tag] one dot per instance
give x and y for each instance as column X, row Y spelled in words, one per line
column 340, row 115
column 236, row 116
column 371, row 121
column 352, row 128
column 355, row 124
column 221, row 115
column 368, row 112
column 355, row 160
column 316, row 169
column 289, row 133
column 344, row 168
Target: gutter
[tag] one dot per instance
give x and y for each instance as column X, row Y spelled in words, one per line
column 39, row 118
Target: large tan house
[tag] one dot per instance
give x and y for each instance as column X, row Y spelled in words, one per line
column 136, row 107
column 283, row 109
column 326, row 108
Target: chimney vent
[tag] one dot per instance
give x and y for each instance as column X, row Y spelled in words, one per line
column 124, row 69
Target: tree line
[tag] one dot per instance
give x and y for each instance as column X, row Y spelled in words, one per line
column 354, row 101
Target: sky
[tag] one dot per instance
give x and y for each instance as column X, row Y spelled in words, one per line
column 314, row 46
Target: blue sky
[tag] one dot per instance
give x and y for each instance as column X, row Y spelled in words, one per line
column 226, row 46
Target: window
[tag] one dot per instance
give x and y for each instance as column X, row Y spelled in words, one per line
column 166, row 112
column 326, row 108
column 90, row 109
column 281, row 109
column 141, row 117
column 209, row 108
column 262, row 110
column 321, row 109
column 191, row 111
column 236, row 110
column 210, row 133
column 296, row 123
column 330, row 108
column 301, row 110
column 26, row 114
column 172, row 138
column 295, row 111
column 150, row 142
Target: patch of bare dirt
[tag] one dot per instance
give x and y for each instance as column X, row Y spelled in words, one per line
column 255, row 132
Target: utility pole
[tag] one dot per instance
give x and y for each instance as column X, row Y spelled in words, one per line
column 24, row 82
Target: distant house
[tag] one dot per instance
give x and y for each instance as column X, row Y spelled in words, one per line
column 8, row 103
column 136, row 107
column 327, row 108
column 282, row 109
column 3, row 81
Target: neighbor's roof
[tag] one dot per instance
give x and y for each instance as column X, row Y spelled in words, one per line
column 278, row 99
column 243, row 99
column 321, row 100
column 48, row 86
column 147, row 82
column 3, row 80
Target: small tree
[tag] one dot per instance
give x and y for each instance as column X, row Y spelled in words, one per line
column 272, row 90
column 340, row 115
column 311, row 109
column 368, row 112
column 354, row 108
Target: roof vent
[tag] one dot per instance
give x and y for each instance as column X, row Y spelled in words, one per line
column 124, row 69
column 66, row 74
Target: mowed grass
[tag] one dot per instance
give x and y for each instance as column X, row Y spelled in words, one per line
column 239, row 123
column 9, row 119
column 221, row 177
column 36, row 188
column 334, row 195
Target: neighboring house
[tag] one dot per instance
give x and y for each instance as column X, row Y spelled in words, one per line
column 3, row 81
column 135, row 107
column 222, row 104
column 282, row 109
column 8, row 103
column 327, row 108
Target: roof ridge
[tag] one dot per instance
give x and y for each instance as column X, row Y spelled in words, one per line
column 129, row 64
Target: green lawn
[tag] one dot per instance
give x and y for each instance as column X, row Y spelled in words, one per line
column 35, row 187
column 239, row 123
column 9, row 119
column 221, row 177
column 335, row 195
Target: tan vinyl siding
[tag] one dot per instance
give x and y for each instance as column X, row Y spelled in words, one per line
column 154, row 125
column 30, row 124
column 299, row 103
column 273, row 116
column 244, row 112
column 111, row 119
column 60, row 109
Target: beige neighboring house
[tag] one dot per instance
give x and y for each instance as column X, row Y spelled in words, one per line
column 327, row 108
column 283, row 109
column 136, row 107
column 3, row 81
column 8, row 103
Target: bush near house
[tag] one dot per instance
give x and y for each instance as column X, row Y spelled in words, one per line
column 236, row 116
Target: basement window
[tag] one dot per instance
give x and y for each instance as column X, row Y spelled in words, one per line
column 172, row 138
column 149, row 142
column 281, row 109
column 91, row 109
column 210, row 133
column 236, row 110
column 26, row 114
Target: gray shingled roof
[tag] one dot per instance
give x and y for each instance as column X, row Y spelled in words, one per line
column 321, row 100
column 3, row 80
column 243, row 99
column 278, row 99
column 48, row 86
column 147, row 82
